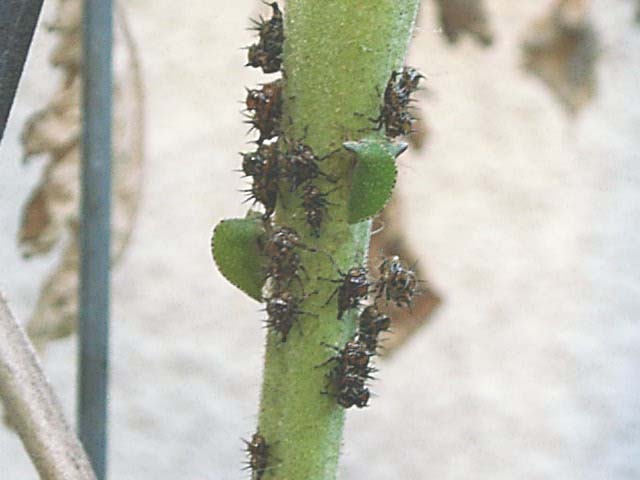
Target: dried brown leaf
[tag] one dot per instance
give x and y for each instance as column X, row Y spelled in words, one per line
column 52, row 213
column 561, row 49
column 460, row 17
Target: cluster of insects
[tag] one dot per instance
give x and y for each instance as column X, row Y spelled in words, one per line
column 299, row 168
column 395, row 113
column 281, row 247
column 397, row 283
column 264, row 105
column 275, row 161
column 291, row 161
column 352, row 363
column 296, row 165
column 351, row 371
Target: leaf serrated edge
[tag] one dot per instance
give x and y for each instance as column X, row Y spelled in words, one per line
column 393, row 149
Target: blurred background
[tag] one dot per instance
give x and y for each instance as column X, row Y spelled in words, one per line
column 520, row 198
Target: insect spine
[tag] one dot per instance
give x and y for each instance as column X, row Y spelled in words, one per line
column 352, row 369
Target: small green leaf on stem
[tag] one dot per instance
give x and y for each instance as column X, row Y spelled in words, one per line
column 374, row 176
column 236, row 252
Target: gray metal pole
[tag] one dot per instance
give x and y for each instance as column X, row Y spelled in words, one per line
column 95, row 233
column 18, row 19
column 33, row 408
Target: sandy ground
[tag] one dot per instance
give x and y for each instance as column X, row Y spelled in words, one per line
column 529, row 224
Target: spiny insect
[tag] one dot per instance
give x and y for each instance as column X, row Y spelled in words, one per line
column 351, row 388
column 267, row 53
column 353, row 287
column 264, row 159
column 408, row 81
column 370, row 324
column 285, row 263
column 299, row 164
column 282, row 270
column 281, row 241
column 266, row 107
column 262, row 166
column 270, row 31
column 349, row 376
column 315, row 203
column 258, row 452
column 397, row 283
column 283, row 309
column 354, row 355
column 265, row 191
column 395, row 115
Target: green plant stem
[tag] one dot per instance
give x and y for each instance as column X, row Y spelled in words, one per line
column 338, row 57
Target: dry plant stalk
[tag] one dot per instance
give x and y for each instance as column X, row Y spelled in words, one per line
column 33, row 408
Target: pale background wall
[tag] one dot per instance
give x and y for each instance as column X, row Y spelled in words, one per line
column 529, row 224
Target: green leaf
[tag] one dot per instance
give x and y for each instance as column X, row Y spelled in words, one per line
column 374, row 176
column 235, row 250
